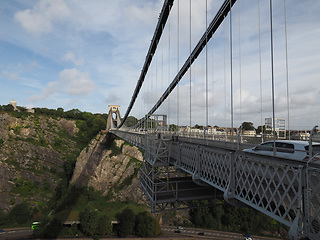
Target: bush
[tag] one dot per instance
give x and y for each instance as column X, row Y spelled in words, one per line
column 20, row 213
column 53, row 229
column 127, row 222
column 93, row 223
column 146, row 226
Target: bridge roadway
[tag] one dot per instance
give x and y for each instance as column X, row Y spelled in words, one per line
column 286, row 190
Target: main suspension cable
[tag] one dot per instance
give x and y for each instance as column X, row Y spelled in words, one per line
column 213, row 26
column 153, row 46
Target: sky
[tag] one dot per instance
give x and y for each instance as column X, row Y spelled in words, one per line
column 89, row 54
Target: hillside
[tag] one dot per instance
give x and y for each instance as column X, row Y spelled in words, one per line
column 33, row 153
column 49, row 168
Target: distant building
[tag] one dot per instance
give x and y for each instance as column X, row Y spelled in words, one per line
column 249, row 133
column 14, row 104
column 279, row 126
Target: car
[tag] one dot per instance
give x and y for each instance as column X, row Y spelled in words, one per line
column 247, row 237
column 290, row 149
column 201, row 233
column 179, row 227
column 1, row 230
column 177, row 231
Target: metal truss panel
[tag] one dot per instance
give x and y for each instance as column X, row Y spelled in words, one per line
column 313, row 217
column 215, row 168
column 277, row 189
column 189, row 155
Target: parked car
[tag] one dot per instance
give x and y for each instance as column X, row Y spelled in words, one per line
column 179, row 227
column 1, row 230
column 247, row 237
column 291, row 149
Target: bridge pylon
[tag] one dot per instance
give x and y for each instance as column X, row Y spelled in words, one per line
column 114, row 118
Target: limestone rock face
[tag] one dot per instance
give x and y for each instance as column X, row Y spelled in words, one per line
column 97, row 166
column 32, row 153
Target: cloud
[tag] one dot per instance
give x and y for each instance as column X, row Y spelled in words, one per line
column 10, row 75
column 71, row 82
column 112, row 98
column 70, row 57
column 40, row 19
column 76, row 82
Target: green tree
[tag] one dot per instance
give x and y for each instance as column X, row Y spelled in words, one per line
column 20, row 213
column 261, row 129
column 131, row 121
column 8, row 108
column 127, row 222
column 89, row 221
column 173, row 127
column 146, row 226
column 53, row 229
column 93, row 223
column 247, row 126
column 60, row 112
column 104, row 226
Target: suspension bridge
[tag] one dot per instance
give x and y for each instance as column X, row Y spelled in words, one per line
column 201, row 77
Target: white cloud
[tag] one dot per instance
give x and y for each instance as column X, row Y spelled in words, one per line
column 71, row 82
column 70, row 57
column 76, row 82
column 39, row 19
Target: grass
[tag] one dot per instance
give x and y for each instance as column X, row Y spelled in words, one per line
column 100, row 202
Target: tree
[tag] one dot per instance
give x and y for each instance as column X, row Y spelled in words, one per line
column 8, row 108
column 173, row 127
column 89, row 221
column 247, row 126
column 60, row 112
column 127, row 222
column 53, row 229
column 261, row 129
column 146, row 226
column 131, row 121
column 93, row 223
column 104, row 226
column 20, row 213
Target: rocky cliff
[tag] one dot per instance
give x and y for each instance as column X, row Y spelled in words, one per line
column 33, row 150
column 111, row 166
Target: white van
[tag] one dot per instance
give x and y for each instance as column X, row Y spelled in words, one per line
column 291, row 149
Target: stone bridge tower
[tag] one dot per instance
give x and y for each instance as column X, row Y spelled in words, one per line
column 114, row 118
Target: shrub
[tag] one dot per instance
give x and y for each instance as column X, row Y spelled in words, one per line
column 146, row 226
column 127, row 222
column 20, row 213
column 94, row 224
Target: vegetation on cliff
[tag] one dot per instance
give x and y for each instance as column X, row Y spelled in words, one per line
column 38, row 152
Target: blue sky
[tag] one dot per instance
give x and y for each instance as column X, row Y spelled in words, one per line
column 89, row 54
